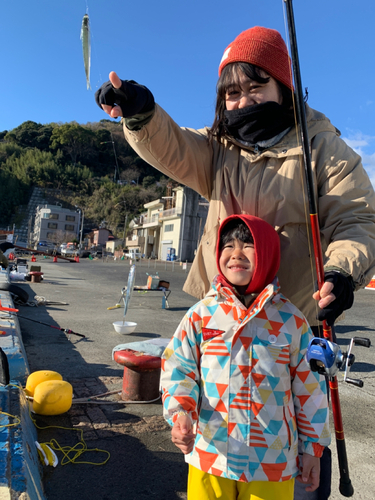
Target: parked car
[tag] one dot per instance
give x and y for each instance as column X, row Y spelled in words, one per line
column 133, row 254
column 96, row 251
column 84, row 254
column 69, row 250
column 44, row 246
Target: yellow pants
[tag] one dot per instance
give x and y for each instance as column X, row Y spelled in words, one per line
column 203, row 486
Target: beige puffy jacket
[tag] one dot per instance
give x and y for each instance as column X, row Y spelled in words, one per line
column 270, row 185
column 3, row 260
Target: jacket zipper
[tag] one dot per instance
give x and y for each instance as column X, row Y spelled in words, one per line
column 287, row 426
column 258, row 191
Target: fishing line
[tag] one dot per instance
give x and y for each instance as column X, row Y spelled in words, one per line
column 95, row 54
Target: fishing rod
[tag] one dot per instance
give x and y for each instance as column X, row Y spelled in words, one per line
column 43, row 253
column 65, row 330
column 13, row 312
column 345, row 486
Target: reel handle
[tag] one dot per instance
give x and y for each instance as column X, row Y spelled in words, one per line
column 354, row 381
column 361, row 341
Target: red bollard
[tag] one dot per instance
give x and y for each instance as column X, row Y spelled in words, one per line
column 36, row 276
column 141, row 375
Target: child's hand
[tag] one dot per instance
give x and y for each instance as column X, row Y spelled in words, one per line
column 182, row 435
column 310, row 472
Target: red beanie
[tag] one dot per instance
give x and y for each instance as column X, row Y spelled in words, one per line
column 264, row 48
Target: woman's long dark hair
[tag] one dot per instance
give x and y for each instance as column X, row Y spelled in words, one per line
column 231, row 76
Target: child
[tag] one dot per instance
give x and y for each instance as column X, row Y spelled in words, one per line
column 236, row 387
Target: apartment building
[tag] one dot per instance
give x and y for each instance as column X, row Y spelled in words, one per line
column 56, row 224
column 171, row 227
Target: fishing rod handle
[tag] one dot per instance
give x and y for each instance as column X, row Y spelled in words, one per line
column 345, row 487
column 354, row 381
column 67, row 331
column 70, row 332
column 361, row 341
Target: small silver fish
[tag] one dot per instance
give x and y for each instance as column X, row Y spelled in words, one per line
column 86, row 47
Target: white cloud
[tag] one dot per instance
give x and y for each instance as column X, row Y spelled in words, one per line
column 369, row 164
column 364, row 145
column 358, row 139
column 355, row 143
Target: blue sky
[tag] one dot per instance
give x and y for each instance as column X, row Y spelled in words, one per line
column 174, row 47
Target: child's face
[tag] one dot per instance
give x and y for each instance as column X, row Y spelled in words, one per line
column 237, row 263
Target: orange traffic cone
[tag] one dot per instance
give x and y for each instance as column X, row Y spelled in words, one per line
column 371, row 285
column 77, row 258
column 33, row 259
column 55, row 258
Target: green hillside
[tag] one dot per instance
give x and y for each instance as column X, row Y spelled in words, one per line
column 92, row 163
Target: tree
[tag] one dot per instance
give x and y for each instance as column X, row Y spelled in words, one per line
column 80, row 158
column 60, row 236
column 148, row 181
column 130, row 175
column 32, row 135
column 73, row 139
column 13, row 193
column 33, row 164
column 9, row 149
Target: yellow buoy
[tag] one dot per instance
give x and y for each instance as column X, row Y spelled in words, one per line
column 40, row 376
column 52, row 397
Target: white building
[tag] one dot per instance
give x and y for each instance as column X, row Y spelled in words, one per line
column 55, row 224
column 170, row 233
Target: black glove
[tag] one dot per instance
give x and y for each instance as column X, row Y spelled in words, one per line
column 343, row 289
column 131, row 97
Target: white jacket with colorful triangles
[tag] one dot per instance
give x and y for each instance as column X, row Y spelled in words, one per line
column 242, row 376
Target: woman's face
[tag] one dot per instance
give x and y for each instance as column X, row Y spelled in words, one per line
column 249, row 92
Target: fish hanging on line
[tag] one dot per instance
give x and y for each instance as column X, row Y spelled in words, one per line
column 86, row 47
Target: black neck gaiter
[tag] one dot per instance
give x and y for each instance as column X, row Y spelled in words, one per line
column 259, row 122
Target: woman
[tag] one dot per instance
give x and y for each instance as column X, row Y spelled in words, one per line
column 250, row 162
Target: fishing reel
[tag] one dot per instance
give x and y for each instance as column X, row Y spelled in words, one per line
column 326, row 358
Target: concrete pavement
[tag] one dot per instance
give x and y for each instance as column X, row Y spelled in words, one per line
column 143, row 462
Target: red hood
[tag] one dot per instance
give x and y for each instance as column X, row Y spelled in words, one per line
column 267, row 252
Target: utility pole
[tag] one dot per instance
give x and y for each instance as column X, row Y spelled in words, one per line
column 80, row 225
column 117, row 171
column 124, row 237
